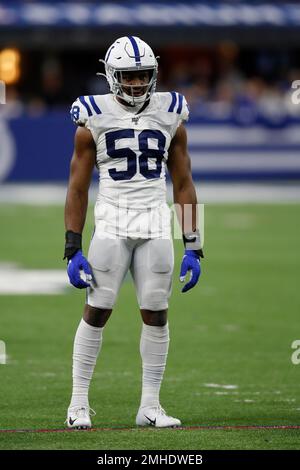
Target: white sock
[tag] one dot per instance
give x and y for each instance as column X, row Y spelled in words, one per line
column 87, row 345
column 154, row 347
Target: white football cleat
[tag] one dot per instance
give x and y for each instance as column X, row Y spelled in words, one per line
column 156, row 417
column 79, row 417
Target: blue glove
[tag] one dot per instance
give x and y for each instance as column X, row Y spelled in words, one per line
column 190, row 262
column 76, row 264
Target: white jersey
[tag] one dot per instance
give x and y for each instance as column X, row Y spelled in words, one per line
column 132, row 147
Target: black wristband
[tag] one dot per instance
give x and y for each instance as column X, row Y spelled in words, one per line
column 199, row 253
column 73, row 244
column 192, row 242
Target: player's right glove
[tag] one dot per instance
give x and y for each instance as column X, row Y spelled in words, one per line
column 77, row 263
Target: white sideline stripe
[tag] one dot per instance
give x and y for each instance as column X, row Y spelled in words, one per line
column 36, row 194
column 244, row 161
column 220, row 135
column 46, row 194
column 247, row 193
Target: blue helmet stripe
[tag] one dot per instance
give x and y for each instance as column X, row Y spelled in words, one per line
column 173, row 102
column 94, row 105
column 179, row 109
column 135, row 49
column 82, row 100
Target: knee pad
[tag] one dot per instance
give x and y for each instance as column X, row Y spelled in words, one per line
column 101, row 297
column 155, row 296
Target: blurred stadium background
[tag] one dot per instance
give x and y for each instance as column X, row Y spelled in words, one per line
column 235, row 62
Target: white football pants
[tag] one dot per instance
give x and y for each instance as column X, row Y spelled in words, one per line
column 150, row 262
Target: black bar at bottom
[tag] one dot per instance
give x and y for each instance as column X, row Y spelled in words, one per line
column 135, row 458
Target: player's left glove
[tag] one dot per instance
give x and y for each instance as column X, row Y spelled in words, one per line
column 191, row 260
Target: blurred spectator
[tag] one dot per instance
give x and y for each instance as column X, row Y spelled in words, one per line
column 52, row 82
column 220, row 81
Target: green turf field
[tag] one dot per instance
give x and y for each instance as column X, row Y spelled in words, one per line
column 236, row 328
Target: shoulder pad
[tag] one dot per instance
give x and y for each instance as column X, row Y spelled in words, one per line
column 83, row 108
column 177, row 104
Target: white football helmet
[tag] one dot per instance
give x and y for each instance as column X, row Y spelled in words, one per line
column 128, row 54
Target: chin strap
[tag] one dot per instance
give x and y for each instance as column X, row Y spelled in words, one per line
column 134, row 101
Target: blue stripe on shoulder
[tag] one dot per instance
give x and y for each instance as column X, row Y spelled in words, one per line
column 179, row 109
column 94, row 105
column 82, row 100
column 173, row 102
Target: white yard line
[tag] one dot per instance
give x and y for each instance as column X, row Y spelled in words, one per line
column 227, row 387
column 20, row 281
column 45, row 194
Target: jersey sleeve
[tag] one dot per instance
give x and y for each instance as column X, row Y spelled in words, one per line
column 177, row 107
column 79, row 112
column 185, row 112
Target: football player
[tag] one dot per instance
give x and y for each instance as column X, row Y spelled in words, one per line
column 131, row 134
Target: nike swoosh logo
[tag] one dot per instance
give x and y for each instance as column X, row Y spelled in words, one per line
column 151, row 421
column 71, row 421
column 190, row 238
